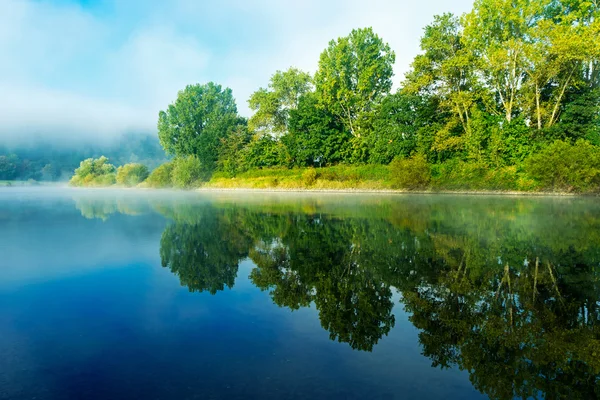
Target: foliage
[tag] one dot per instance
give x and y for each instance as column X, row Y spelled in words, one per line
column 196, row 122
column 411, row 173
column 310, row 176
column 233, row 153
column 94, row 172
column 50, row 161
column 131, row 174
column 565, row 166
column 160, row 177
column 273, row 105
column 315, row 137
column 354, row 75
column 187, row 171
column 8, row 167
column 264, row 151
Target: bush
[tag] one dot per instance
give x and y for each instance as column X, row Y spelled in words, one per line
column 563, row 166
column 94, row 172
column 187, row 171
column 459, row 175
column 309, row 176
column 161, row 176
column 131, row 174
column 411, row 173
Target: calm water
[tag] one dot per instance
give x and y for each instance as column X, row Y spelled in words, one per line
column 160, row 295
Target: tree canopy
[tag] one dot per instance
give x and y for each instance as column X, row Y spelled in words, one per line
column 196, row 122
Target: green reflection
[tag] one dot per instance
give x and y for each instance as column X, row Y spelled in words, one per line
column 506, row 289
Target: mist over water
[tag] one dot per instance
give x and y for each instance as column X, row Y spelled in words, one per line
column 161, row 294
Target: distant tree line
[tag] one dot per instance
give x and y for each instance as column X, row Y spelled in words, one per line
column 508, row 91
column 54, row 161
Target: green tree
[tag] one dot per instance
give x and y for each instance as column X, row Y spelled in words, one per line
column 272, row 106
column 94, row 172
column 316, row 137
column 445, row 70
column 187, row 171
column 8, row 167
column 131, row 174
column 160, row 177
column 233, row 153
column 354, row 75
column 196, row 122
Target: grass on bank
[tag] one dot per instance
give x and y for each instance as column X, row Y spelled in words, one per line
column 559, row 168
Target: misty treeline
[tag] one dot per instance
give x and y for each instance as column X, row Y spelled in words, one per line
column 53, row 161
column 505, row 97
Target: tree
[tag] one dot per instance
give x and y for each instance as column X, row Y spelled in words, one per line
column 49, row 172
column 402, row 125
column 354, row 75
column 233, row 151
column 131, row 174
column 272, row 106
column 186, row 171
column 8, row 167
column 446, row 71
column 160, row 177
column 94, row 172
column 196, row 122
column 316, row 137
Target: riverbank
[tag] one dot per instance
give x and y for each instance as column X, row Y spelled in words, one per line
column 383, row 179
column 390, row 191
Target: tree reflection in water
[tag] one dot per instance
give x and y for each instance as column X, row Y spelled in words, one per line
column 495, row 287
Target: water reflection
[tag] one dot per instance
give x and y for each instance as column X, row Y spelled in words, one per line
column 494, row 286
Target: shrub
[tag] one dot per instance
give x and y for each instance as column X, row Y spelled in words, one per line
column 411, row 173
column 161, row 176
column 459, row 175
column 131, row 174
column 563, row 166
column 94, row 172
column 309, row 176
column 187, row 171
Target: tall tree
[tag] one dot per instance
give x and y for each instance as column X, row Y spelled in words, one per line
column 445, row 71
column 272, row 105
column 197, row 121
column 354, row 75
column 496, row 31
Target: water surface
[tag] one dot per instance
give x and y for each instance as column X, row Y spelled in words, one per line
column 164, row 295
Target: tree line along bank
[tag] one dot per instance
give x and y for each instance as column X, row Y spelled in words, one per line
column 506, row 97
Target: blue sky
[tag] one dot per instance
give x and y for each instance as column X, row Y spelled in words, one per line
column 98, row 68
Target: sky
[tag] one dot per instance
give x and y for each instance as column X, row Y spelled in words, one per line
column 101, row 68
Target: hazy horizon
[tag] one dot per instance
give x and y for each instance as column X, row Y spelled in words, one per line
column 87, row 70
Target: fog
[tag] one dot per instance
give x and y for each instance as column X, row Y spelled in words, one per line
column 90, row 71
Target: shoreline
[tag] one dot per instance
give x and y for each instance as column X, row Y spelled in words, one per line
column 395, row 191
column 464, row 192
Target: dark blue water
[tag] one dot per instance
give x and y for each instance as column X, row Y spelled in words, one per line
column 161, row 295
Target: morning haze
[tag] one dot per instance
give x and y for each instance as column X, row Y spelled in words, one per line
column 299, row 200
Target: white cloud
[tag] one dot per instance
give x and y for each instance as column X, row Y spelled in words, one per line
column 68, row 69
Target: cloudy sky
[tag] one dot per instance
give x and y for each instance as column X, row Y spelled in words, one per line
column 99, row 68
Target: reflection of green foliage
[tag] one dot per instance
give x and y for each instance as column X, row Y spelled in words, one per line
column 494, row 285
column 102, row 207
column 316, row 260
column 92, row 208
column 205, row 256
